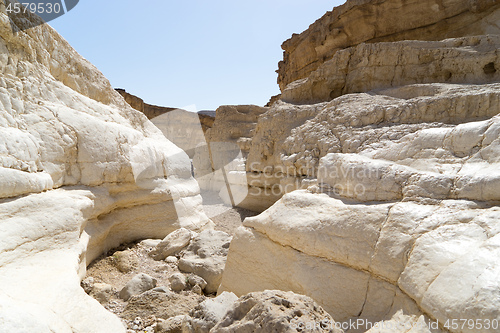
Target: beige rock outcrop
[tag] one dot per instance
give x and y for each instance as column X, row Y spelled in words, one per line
column 151, row 111
column 221, row 167
column 81, row 172
column 423, row 117
column 367, row 21
column 276, row 311
column 366, row 67
column 400, row 211
column 184, row 128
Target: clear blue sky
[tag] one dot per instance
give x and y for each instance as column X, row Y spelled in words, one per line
column 184, row 52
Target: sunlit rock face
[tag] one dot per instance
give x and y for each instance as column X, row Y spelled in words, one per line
column 221, row 167
column 368, row 21
column 364, row 95
column 467, row 60
column 81, row 172
column 390, row 188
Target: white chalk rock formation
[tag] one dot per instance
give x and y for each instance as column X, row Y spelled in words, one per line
column 371, row 260
column 80, row 173
column 417, row 218
column 398, row 208
column 434, row 128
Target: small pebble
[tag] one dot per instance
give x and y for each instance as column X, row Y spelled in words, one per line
column 197, row 290
column 171, row 260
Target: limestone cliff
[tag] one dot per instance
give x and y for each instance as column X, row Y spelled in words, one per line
column 399, row 206
column 151, row 111
column 80, row 172
column 467, row 60
column 368, row 21
column 387, row 160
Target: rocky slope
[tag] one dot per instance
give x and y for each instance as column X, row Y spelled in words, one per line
column 368, row 21
column 81, row 172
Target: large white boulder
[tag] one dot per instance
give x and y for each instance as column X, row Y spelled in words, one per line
column 399, row 211
column 370, row 260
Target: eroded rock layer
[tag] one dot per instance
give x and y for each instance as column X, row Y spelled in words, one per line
column 387, row 161
column 360, row 21
column 221, row 166
column 81, row 172
column 467, row 60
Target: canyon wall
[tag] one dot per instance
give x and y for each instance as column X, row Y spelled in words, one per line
column 220, row 166
column 368, row 21
column 185, row 129
column 81, row 172
column 387, row 159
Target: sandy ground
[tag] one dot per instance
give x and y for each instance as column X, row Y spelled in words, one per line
column 120, row 265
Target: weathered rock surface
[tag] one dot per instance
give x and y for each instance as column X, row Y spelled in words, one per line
column 276, row 311
column 435, row 127
column 81, row 172
column 151, row 111
column 366, row 67
column 172, row 244
column 206, row 257
column 171, row 325
column 206, row 117
column 177, row 282
column 390, row 191
column 195, row 280
column 268, row 311
column 369, row 261
column 366, row 21
column 208, row 313
column 161, row 305
column 221, row 167
column 185, row 129
column 139, row 284
column 102, row 292
column 428, row 227
column 125, row 261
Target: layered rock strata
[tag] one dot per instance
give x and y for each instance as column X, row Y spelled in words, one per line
column 81, row 172
column 400, row 211
column 390, row 180
column 367, row 21
column 467, row 60
column 221, row 166
column 185, row 129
